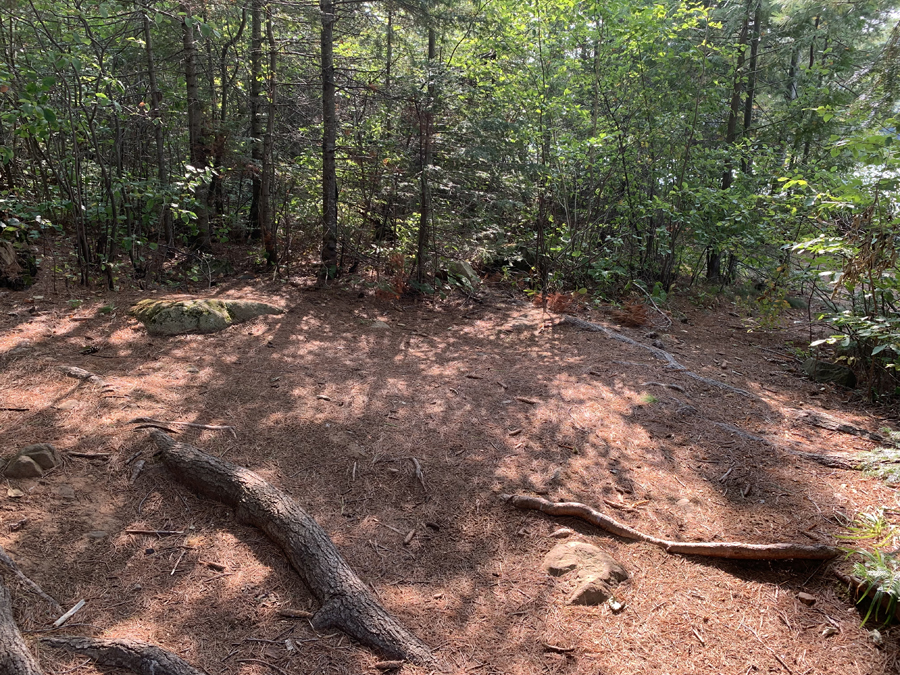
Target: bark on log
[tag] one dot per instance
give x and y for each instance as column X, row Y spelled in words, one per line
column 661, row 354
column 733, row 550
column 136, row 656
column 15, row 659
column 346, row 602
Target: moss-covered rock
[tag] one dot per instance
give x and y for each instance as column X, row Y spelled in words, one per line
column 166, row 316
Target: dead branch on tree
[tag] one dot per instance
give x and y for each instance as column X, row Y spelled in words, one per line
column 15, row 658
column 346, row 602
column 11, row 565
column 733, row 550
column 139, row 657
column 661, row 354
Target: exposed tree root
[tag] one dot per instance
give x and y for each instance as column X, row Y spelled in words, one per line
column 823, row 421
column 15, row 659
column 346, row 602
column 10, row 564
column 831, row 461
column 83, row 375
column 661, row 354
column 734, row 550
column 138, row 657
column 862, row 591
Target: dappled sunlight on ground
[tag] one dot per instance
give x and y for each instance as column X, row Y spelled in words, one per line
column 488, row 399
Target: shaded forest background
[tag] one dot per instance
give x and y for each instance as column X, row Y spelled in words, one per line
column 582, row 147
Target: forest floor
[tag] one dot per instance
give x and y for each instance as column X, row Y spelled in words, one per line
column 329, row 402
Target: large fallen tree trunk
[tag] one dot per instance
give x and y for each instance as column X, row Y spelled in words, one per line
column 661, row 354
column 346, row 602
column 15, row 658
column 734, row 550
column 138, row 657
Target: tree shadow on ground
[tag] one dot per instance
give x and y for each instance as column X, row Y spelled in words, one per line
column 330, row 407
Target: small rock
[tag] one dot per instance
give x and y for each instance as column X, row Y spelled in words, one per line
column 379, row 324
column 562, row 533
column 23, row 467
column 589, row 560
column 67, row 405
column 591, row 591
column 806, row 599
column 829, row 631
column 42, row 453
column 658, row 344
column 97, row 534
column 14, row 493
column 64, row 492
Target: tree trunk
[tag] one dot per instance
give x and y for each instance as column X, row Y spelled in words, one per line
column 346, row 602
column 329, row 141
column 162, row 171
column 266, row 218
column 747, row 162
column 714, row 255
column 425, row 152
column 256, row 76
column 198, row 150
column 15, row 659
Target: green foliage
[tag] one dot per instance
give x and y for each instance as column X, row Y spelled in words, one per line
column 879, row 570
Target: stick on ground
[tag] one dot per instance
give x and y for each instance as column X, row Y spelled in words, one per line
column 346, row 601
column 734, row 550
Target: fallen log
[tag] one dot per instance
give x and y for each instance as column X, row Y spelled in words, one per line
column 732, row 550
column 15, row 658
column 661, row 354
column 346, row 602
column 139, row 657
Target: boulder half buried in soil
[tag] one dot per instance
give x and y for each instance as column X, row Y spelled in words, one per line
column 823, row 371
column 169, row 316
column 596, row 572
